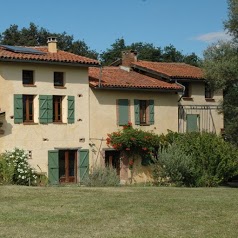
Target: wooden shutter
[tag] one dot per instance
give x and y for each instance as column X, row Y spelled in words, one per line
column 50, row 108
column 18, row 108
column 46, row 108
column 192, row 122
column 71, row 109
column 151, row 112
column 137, row 111
column 53, row 167
column 83, row 164
column 123, row 112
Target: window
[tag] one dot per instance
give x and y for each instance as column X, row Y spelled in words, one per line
column 187, row 93
column 50, row 109
column 27, row 77
column 23, row 108
column 144, row 112
column 57, row 108
column 208, row 92
column 28, row 108
column 59, row 79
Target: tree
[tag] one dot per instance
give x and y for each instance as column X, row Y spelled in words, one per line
column 147, row 51
column 36, row 36
column 221, row 69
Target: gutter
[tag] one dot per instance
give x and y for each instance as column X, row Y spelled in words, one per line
column 137, row 89
column 50, row 62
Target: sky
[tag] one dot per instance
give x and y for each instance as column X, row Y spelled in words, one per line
column 189, row 25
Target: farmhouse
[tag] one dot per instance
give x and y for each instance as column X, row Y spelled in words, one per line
column 59, row 107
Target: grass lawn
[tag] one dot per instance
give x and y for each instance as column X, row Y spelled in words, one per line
column 118, row 212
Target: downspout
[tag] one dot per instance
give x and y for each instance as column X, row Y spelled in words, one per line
column 183, row 89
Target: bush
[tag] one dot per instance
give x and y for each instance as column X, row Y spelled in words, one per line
column 102, row 177
column 173, row 166
column 16, row 169
column 213, row 160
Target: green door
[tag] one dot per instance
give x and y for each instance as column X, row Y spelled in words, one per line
column 83, row 164
column 53, row 167
column 192, row 122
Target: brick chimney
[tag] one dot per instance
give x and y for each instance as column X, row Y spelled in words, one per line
column 52, row 45
column 128, row 57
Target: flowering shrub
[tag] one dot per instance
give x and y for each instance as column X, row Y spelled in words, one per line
column 22, row 174
column 133, row 142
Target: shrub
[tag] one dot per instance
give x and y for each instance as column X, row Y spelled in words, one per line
column 6, row 171
column 214, row 160
column 173, row 166
column 16, row 167
column 101, row 177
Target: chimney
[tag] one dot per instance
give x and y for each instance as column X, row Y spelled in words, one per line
column 128, row 57
column 52, row 45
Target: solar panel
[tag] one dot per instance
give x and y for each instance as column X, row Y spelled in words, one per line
column 20, row 49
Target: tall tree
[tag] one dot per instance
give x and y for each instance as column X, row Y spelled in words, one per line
column 147, row 51
column 221, row 69
column 35, row 36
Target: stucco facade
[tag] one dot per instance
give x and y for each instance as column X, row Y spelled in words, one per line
column 39, row 138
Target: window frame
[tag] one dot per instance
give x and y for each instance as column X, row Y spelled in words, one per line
column 59, row 76
column 27, row 77
column 143, row 111
column 57, row 109
column 28, row 105
column 187, row 91
column 209, row 93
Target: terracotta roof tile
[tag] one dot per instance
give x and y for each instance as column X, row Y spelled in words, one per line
column 172, row 70
column 60, row 56
column 119, row 78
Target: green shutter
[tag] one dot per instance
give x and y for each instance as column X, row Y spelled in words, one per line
column 151, row 112
column 50, row 108
column 83, row 164
column 192, row 122
column 137, row 111
column 71, row 109
column 123, row 111
column 46, row 109
column 18, row 108
column 53, row 167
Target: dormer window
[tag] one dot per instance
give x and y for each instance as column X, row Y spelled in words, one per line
column 27, row 77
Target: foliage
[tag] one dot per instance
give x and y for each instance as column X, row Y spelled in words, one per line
column 221, row 69
column 212, row 160
column 34, row 36
column 174, row 166
column 16, row 169
column 232, row 23
column 147, row 51
column 102, row 177
column 132, row 142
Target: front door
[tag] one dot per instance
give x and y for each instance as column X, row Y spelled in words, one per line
column 68, row 166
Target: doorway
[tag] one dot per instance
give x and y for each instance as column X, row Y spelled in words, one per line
column 67, row 166
column 112, row 160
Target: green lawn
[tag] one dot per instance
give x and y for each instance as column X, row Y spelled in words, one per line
column 118, row 212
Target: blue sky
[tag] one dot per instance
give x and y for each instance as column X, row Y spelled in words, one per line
column 189, row 25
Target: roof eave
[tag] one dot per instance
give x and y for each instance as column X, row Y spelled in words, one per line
column 135, row 89
column 50, row 62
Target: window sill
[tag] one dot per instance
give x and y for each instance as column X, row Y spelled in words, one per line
column 210, row 99
column 60, row 87
column 187, row 98
column 144, row 125
column 29, row 85
column 29, row 123
column 59, row 123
